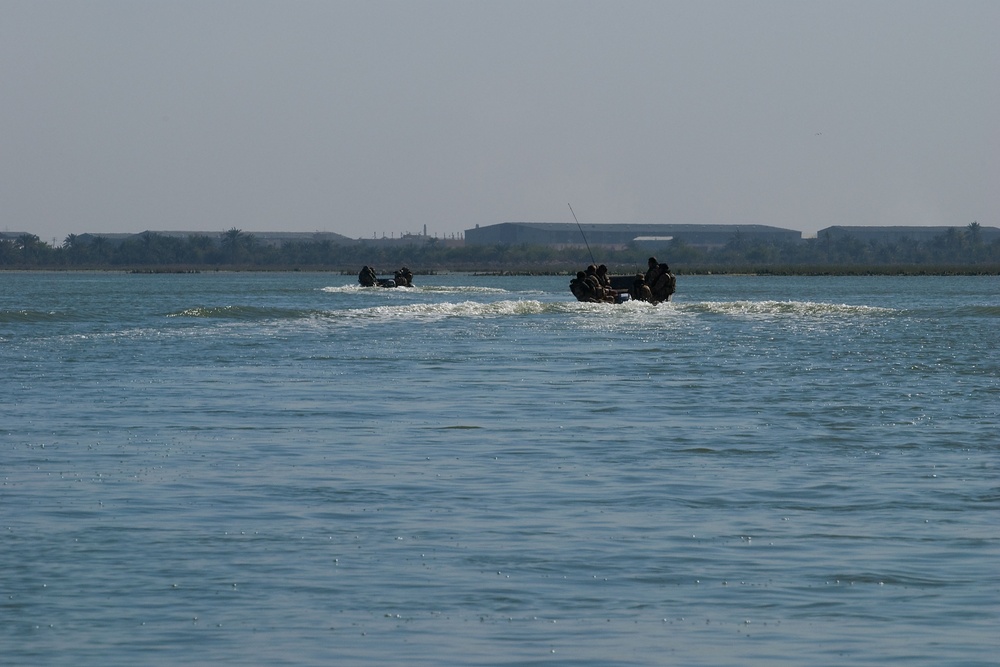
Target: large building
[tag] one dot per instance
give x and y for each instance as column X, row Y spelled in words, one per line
column 895, row 234
column 278, row 239
column 264, row 238
column 563, row 234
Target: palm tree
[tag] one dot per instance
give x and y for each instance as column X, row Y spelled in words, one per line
column 30, row 247
column 100, row 247
column 231, row 242
column 974, row 233
column 27, row 241
column 74, row 248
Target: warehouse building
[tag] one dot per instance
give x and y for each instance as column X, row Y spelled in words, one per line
column 562, row 234
column 895, row 234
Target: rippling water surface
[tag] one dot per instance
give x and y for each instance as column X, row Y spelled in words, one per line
column 291, row 469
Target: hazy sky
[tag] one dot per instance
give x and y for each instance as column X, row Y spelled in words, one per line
column 375, row 117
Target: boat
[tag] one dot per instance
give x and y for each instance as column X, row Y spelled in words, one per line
column 622, row 288
column 369, row 278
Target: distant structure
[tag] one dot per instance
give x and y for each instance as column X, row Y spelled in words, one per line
column 567, row 235
column 277, row 239
column 894, row 234
column 406, row 238
column 621, row 235
column 263, row 238
column 280, row 238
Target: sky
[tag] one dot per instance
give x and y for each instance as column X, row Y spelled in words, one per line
column 373, row 118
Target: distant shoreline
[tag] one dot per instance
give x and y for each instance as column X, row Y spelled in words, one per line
column 817, row 271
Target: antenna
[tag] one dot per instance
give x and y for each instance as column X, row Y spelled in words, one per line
column 592, row 260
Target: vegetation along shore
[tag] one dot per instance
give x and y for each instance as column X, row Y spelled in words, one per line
column 960, row 251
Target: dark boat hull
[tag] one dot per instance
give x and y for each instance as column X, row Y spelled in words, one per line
column 622, row 285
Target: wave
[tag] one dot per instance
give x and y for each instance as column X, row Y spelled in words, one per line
column 436, row 311
column 528, row 307
column 968, row 311
column 786, row 308
column 242, row 313
column 585, row 314
column 462, row 289
column 422, row 311
column 30, row 316
column 438, row 289
column 355, row 288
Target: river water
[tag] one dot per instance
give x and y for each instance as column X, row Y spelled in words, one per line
column 289, row 469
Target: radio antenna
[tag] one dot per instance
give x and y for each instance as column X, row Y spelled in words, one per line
column 593, row 261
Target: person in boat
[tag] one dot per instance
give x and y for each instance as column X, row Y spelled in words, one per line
column 665, row 284
column 586, row 288
column 404, row 278
column 640, row 290
column 367, row 277
column 653, row 272
column 603, row 278
column 610, row 293
column 580, row 288
column 601, row 293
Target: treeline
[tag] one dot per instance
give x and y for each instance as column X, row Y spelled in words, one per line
column 957, row 251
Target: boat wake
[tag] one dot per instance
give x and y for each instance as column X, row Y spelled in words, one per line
column 587, row 314
column 386, row 312
column 416, row 289
column 439, row 311
column 250, row 313
column 778, row 309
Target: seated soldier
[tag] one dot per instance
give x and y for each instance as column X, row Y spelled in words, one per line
column 605, row 280
column 581, row 289
column 652, row 272
column 665, row 284
column 640, row 290
column 602, row 276
column 600, row 292
column 367, row 277
column 404, row 278
column 408, row 275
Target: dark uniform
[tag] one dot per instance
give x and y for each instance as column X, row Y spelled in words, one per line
column 367, row 277
column 664, row 285
column 640, row 290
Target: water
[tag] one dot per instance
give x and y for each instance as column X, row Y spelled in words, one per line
column 287, row 469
